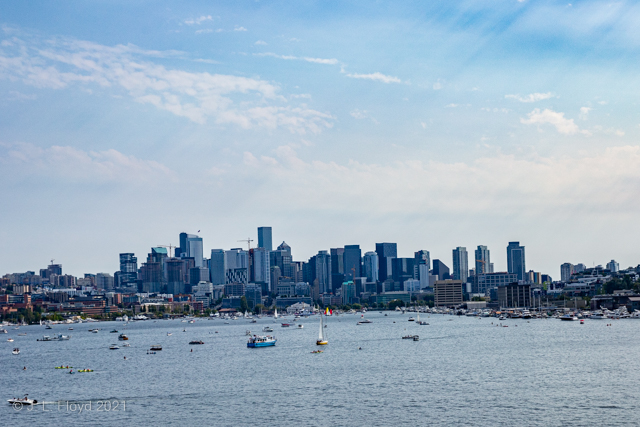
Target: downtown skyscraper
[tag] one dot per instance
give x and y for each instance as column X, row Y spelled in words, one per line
column 516, row 260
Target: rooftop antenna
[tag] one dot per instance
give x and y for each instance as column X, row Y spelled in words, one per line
column 248, row 240
column 52, row 261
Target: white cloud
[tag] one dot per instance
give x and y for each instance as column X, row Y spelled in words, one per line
column 198, row 21
column 204, row 31
column 437, row 85
column 260, row 43
column 226, row 99
column 562, row 124
column 584, row 113
column 358, row 114
column 72, row 164
column 376, row 77
column 502, row 183
column 532, row 97
column 239, row 29
column 331, row 61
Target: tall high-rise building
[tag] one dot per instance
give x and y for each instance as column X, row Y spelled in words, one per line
column 176, row 272
column 104, row 281
column 352, row 262
column 337, row 268
column 371, row 266
column 128, row 270
column 566, row 270
column 460, row 264
column 261, row 268
column 422, row 267
column 402, row 270
column 217, row 267
column 441, row 270
column 613, row 266
column 516, row 260
column 264, row 238
column 323, row 271
column 236, row 266
column 483, row 260
column 191, row 246
column 386, row 252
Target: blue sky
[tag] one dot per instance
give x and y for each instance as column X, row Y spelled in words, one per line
column 430, row 124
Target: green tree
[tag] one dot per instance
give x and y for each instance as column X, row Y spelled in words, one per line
column 243, row 304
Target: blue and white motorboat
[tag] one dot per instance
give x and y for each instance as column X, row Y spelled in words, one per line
column 261, row 341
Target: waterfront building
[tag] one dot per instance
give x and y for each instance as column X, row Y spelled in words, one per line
column 386, row 252
column 448, row 292
column 440, row 270
column 483, row 283
column 387, row 297
column 352, row 261
column 514, row 295
column 516, row 260
column 264, row 238
column 482, row 260
column 217, row 267
column 460, row 264
column 371, row 266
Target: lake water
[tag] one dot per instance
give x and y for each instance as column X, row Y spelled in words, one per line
column 464, row 370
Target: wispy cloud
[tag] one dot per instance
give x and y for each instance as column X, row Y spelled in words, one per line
column 60, row 63
column 584, row 113
column 69, row 163
column 260, row 43
column 239, row 29
column 376, row 77
column 557, row 119
column 199, row 20
column 532, row 97
column 331, row 61
column 358, row 114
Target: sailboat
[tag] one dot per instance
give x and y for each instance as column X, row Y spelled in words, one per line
column 322, row 340
column 275, row 315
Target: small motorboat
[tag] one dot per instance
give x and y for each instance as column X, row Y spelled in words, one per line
column 48, row 327
column 115, row 331
column 156, row 348
column 71, row 329
column 416, row 338
column 364, row 321
column 408, row 337
column 286, row 325
column 196, row 342
column 300, row 326
column 10, row 339
column 113, row 347
column 126, row 345
column 123, row 337
column 22, row 334
column 16, row 351
column 17, row 402
column 168, row 334
column 411, row 319
column 265, row 329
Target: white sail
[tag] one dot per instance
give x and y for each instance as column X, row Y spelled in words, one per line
column 275, row 316
column 321, row 334
column 418, row 317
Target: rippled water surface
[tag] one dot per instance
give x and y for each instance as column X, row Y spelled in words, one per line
column 463, row 370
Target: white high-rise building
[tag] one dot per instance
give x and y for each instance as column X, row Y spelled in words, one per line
column 613, row 266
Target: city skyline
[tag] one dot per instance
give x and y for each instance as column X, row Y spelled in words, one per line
column 432, row 125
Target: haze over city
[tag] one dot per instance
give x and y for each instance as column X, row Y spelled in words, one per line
column 430, row 125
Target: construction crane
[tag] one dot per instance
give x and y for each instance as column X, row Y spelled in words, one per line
column 248, row 240
column 170, row 246
column 484, row 267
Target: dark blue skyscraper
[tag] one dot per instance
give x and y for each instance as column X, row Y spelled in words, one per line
column 264, row 238
column 515, row 260
column 352, row 262
column 440, row 270
column 128, row 269
column 386, row 252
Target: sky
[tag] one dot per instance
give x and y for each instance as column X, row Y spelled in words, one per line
column 430, row 124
